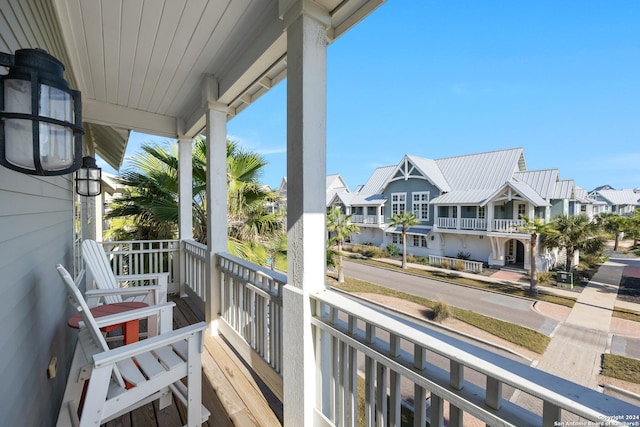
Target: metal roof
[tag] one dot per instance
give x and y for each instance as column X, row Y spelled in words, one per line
column 482, row 170
column 620, row 197
column 463, row 197
column 410, row 230
column 564, row 189
column 581, row 195
column 376, row 181
column 542, row 181
column 431, row 171
column 522, row 189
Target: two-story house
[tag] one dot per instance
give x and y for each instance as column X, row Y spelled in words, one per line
column 472, row 204
column 620, row 202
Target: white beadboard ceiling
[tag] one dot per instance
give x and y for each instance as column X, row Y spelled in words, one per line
column 147, row 65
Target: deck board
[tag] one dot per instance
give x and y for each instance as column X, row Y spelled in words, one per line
column 230, row 391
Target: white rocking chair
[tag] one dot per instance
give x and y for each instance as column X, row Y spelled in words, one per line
column 106, row 281
column 127, row 377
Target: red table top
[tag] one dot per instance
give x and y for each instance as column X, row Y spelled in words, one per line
column 107, row 309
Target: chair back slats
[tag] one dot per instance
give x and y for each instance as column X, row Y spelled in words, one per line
column 98, row 264
column 94, row 337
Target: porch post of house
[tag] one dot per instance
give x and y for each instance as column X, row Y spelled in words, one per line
column 489, row 215
column 185, row 198
column 216, row 204
column 458, row 216
column 306, row 24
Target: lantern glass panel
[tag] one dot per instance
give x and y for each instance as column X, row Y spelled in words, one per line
column 17, row 96
column 56, row 146
column 56, row 104
column 19, row 142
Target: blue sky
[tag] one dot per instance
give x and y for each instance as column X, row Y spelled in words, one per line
column 445, row 78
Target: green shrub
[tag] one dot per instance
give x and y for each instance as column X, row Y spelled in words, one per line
column 422, row 260
column 373, row 252
column 463, row 255
column 445, row 263
column 392, row 249
column 441, row 311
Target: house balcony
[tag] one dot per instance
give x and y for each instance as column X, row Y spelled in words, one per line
column 481, row 224
column 367, row 219
column 394, row 365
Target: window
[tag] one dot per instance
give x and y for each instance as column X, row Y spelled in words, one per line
column 421, row 205
column 481, row 212
column 396, row 238
column 521, row 210
column 398, row 203
column 419, row 241
column 454, row 212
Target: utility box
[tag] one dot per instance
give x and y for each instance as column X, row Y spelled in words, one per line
column 564, row 279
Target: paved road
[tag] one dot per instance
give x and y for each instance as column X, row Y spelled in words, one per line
column 503, row 307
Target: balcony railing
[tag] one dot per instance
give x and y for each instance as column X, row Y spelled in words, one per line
column 366, row 219
column 399, row 364
column 499, row 225
column 507, row 225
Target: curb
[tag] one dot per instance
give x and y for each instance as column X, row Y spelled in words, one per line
column 435, row 324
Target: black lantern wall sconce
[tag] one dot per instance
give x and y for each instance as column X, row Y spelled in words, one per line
column 89, row 178
column 40, row 115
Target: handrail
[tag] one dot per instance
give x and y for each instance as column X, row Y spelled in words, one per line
column 394, row 350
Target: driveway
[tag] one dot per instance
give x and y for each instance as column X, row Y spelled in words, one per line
column 510, row 309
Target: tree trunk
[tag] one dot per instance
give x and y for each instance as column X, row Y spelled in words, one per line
column 533, row 287
column 404, row 248
column 340, row 270
column 616, row 241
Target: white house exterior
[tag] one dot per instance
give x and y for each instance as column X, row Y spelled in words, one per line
column 619, row 202
column 470, row 204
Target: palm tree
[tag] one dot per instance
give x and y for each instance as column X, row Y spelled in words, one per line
column 404, row 220
column 614, row 224
column 573, row 233
column 150, row 201
column 340, row 226
column 534, row 227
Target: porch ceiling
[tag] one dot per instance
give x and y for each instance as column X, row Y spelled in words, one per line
column 151, row 65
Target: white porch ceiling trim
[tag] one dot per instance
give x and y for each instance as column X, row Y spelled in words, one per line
column 103, row 113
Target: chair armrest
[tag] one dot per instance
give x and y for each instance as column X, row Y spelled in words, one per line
column 118, row 354
column 136, row 290
column 159, row 277
column 139, row 313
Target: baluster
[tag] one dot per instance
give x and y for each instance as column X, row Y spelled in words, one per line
column 550, row 414
column 353, row 377
column 494, row 393
column 419, row 392
column 436, row 411
column 394, row 392
column 369, row 377
column 456, row 379
column 381, row 395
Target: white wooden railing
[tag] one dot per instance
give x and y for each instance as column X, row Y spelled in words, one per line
column 399, row 363
column 195, row 268
column 447, row 222
column 366, row 219
column 473, row 224
column 145, row 256
column 455, row 263
column 507, row 225
column 251, row 304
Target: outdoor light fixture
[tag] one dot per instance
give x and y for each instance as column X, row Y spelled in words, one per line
column 89, row 178
column 40, row 116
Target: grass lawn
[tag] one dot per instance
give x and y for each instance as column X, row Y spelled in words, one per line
column 621, row 367
column 626, row 314
column 513, row 333
column 455, row 278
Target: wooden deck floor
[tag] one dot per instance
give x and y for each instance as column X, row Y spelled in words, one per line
column 230, row 390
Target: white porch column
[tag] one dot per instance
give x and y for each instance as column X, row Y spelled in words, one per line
column 306, row 25
column 216, row 204
column 185, row 197
column 458, row 216
column 489, row 215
